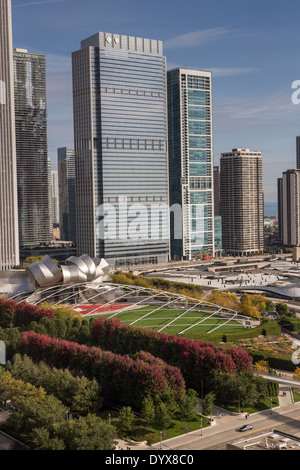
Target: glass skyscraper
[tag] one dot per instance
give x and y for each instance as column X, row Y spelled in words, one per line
column 9, row 244
column 190, row 162
column 67, row 193
column 121, row 159
column 34, row 189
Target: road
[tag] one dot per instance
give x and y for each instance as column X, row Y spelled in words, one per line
column 226, row 429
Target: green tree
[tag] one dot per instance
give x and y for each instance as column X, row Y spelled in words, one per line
column 162, row 417
column 282, row 309
column 42, row 440
column 32, row 413
column 269, row 306
column 208, row 404
column 80, row 394
column 187, row 403
column 88, row 433
column 126, row 419
column 86, row 395
column 148, row 410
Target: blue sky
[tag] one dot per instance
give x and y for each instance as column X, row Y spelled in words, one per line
column 252, row 49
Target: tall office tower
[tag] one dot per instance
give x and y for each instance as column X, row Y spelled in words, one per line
column 67, row 193
column 54, row 197
column 9, row 244
column 217, row 190
column 241, row 196
column 298, row 152
column 32, row 151
column 120, row 129
column 289, row 205
column 190, row 161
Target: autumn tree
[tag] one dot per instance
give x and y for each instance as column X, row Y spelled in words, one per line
column 262, row 366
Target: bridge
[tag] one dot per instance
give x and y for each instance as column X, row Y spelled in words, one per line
column 280, row 379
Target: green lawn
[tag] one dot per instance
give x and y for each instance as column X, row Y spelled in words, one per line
column 142, row 430
column 263, row 405
column 181, row 320
column 296, row 394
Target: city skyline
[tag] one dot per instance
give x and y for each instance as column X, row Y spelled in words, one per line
column 250, row 55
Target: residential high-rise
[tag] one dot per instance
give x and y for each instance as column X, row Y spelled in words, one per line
column 9, row 244
column 32, row 150
column 67, row 193
column 289, row 208
column 120, row 130
column 191, row 162
column 241, row 196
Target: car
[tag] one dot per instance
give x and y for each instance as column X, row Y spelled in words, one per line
column 246, row 427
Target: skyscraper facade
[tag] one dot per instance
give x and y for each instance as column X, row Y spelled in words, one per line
column 279, row 208
column 9, row 244
column 120, row 129
column 191, row 161
column 289, row 208
column 67, row 193
column 54, row 197
column 217, row 190
column 241, row 196
column 298, row 152
column 32, row 151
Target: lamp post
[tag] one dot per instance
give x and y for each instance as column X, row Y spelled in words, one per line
column 201, row 428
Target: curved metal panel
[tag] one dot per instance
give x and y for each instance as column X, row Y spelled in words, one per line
column 72, row 274
column 90, row 264
column 79, row 263
column 45, row 271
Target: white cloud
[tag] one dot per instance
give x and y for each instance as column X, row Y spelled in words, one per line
column 197, row 38
column 216, row 71
column 230, row 71
column 37, row 2
column 273, row 111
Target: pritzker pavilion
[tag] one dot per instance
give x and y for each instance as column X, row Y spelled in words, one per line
column 84, row 284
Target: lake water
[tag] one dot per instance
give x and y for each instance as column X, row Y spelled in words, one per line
column 270, row 209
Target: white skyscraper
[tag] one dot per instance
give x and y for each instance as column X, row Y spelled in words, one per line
column 9, row 240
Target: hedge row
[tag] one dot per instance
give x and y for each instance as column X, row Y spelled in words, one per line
column 196, row 359
column 123, row 378
column 281, row 363
column 21, row 314
column 292, row 324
